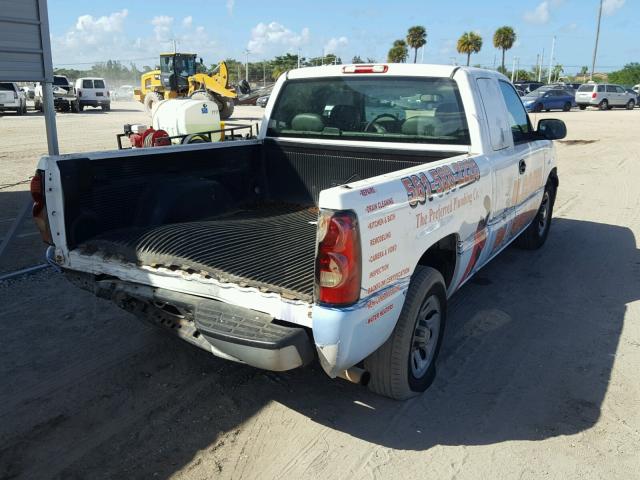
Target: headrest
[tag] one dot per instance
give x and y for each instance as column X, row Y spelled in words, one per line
column 419, row 125
column 308, row 122
column 448, row 107
column 345, row 117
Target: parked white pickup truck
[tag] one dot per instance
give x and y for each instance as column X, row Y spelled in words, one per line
column 372, row 193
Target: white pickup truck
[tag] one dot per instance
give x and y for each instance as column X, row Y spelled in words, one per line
column 372, row 193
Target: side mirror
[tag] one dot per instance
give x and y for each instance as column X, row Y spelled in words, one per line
column 552, row 129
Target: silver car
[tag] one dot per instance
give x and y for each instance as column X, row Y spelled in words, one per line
column 605, row 96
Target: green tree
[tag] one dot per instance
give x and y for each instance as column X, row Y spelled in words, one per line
column 556, row 71
column 468, row 43
column 628, row 75
column 398, row 52
column 357, row 59
column 504, row 38
column 416, row 38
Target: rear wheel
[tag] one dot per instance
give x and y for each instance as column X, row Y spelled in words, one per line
column 20, row 110
column 227, row 108
column 75, row 107
column 405, row 365
column 106, row 107
column 630, row 105
column 537, row 108
column 536, row 233
column 582, row 107
column 566, row 107
column 604, row 105
column 151, row 99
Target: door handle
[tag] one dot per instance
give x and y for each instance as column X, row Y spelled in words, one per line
column 522, row 167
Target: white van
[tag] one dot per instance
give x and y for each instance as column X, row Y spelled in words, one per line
column 93, row 92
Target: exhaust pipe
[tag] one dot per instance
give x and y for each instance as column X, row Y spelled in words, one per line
column 355, row 375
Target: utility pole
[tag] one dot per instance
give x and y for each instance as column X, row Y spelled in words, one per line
column 541, row 65
column 537, row 64
column 298, row 58
column 422, row 55
column 246, row 65
column 513, row 69
column 264, row 74
column 595, row 47
column 553, row 46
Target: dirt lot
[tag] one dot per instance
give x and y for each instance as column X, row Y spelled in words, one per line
column 538, row 377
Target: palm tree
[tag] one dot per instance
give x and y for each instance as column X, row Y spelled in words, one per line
column 398, row 52
column 469, row 42
column 416, row 38
column 504, row 38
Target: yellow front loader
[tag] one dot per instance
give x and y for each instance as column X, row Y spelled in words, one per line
column 177, row 78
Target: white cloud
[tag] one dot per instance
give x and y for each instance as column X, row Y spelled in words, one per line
column 230, row 5
column 335, row 44
column 275, row 38
column 92, row 36
column 609, row 7
column 539, row 15
column 99, row 39
column 162, row 27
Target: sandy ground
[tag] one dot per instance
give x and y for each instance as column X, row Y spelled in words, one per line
column 538, row 376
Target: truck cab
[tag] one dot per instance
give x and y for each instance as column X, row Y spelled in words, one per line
column 175, row 69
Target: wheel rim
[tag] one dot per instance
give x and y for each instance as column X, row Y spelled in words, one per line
column 425, row 336
column 543, row 214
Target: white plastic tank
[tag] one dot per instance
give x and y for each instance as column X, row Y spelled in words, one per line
column 186, row 116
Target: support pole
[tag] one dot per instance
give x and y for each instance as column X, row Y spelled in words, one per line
column 50, row 118
column 595, row 47
column 553, row 47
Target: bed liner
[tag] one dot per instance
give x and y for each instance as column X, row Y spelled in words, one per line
column 270, row 247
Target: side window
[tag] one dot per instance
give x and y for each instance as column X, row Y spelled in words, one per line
column 600, row 88
column 619, row 89
column 611, row 89
column 87, row 84
column 518, row 118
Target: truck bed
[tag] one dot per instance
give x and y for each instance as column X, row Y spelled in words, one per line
column 270, row 247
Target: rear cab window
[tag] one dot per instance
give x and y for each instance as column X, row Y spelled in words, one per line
column 98, row 84
column 6, row 87
column 87, row 84
column 376, row 108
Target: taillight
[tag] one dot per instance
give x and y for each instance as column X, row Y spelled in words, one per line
column 15, row 96
column 365, row 69
column 39, row 210
column 594, row 95
column 108, row 93
column 338, row 265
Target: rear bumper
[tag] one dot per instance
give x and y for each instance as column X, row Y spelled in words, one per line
column 94, row 103
column 227, row 331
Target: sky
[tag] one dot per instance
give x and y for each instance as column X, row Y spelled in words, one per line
column 84, row 33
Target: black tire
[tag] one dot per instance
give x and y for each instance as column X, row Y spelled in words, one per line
column 150, row 99
column 194, row 138
column 582, row 107
column 631, row 105
column 604, row 105
column 20, row 110
column 391, row 367
column 106, row 107
column 537, row 108
column 227, row 108
column 537, row 232
column 566, row 107
column 75, row 107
